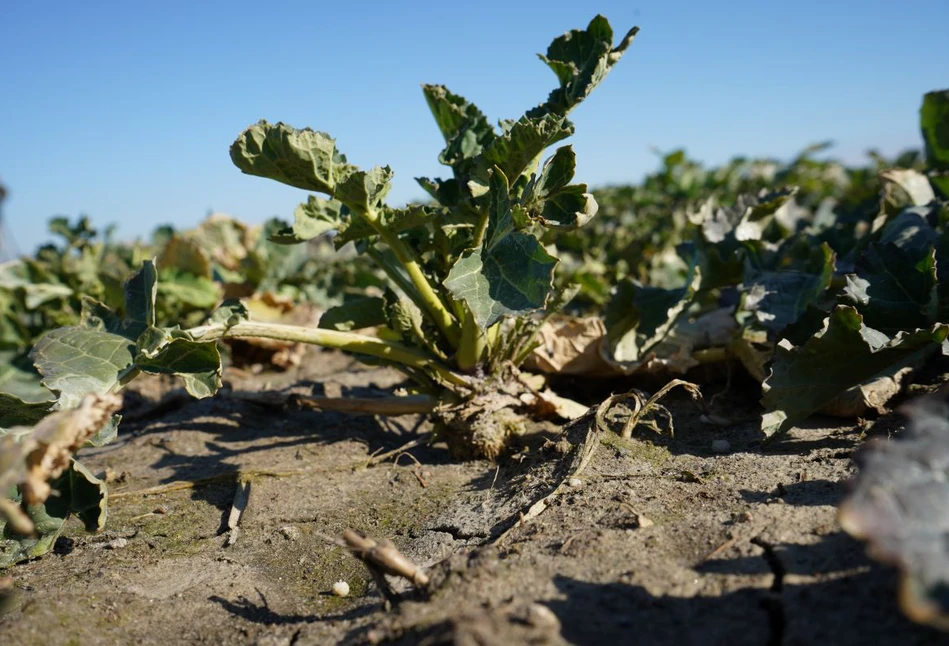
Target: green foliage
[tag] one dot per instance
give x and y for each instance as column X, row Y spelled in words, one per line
column 472, row 260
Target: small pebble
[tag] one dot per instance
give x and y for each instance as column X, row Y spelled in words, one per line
column 341, row 589
column 575, row 482
column 290, row 532
column 117, row 544
column 721, row 446
column 541, row 616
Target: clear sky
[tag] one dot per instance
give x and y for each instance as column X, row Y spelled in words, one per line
column 125, row 110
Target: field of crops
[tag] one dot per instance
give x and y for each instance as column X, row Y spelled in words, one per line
column 523, row 411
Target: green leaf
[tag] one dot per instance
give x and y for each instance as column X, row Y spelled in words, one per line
column 302, row 158
column 557, row 172
column 363, row 190
column 18, row 377
column 639, row 317
column 311, row 219
column 394, row 220
column 355, row 314
column 569, row 208
column 895, row 290
column 140, row 292
column 500, row 215
column 75, row 361
column 844, row 354
column 513, row 277
column 581, row 59
column 524, row 141
column 16, row 412
column 780, row 283
column 184, row 255
column 453, row 112
column 230, row 312
column 187, row 289
column 198, row 364
column 934, row 122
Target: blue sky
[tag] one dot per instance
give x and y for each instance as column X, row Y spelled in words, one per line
column 125, row 110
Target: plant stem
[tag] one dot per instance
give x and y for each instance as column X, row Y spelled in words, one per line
column 432, row 302
column 472, row 345
column 411, row 405
column 480, row 229
column 345, row 341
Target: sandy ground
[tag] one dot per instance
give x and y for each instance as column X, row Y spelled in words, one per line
column 660, row 541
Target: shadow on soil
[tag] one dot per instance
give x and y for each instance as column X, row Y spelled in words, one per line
column 852, row 609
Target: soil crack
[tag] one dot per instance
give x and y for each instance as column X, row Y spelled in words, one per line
column 456, row 533
column 773, row 602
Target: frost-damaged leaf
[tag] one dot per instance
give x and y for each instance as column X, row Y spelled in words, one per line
column 842, row 355
column 312, row 218
column 30, row 458
column 934, row 121
column 899, row 503
column 302, row 158
column 77, row 492
column 912, row 182
column 511, row 273
column 639, row 317
column 723, row 230
column 581, row 59
column 75, row 361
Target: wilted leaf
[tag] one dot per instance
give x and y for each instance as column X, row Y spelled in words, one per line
column 639, row 317
column 30, row 458
column 198, row 364
column 899, row 503
column 915, row 184
column 77, row 492
column 571, row 346
column 842, row 355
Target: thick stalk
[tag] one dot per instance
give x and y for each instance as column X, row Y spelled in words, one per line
column 433, row 304
column 345, row 341
column 471, row 348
